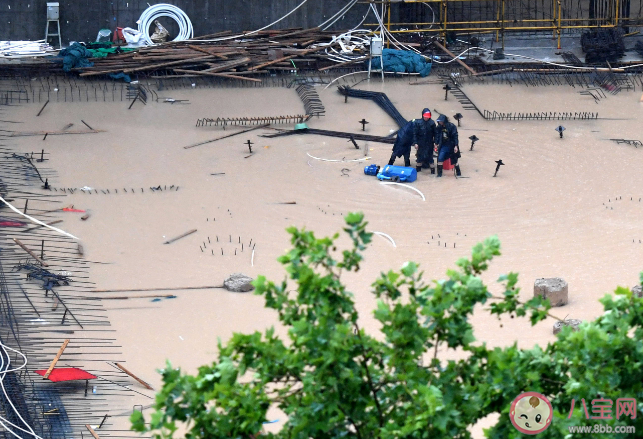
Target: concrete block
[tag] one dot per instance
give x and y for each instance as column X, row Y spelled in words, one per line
column 558, row 326
column 637, row 291
column 239, row 283
column 555, row 289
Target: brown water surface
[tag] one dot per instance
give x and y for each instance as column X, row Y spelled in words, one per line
column 561, row 207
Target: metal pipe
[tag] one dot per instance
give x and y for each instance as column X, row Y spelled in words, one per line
column 512, row 28
column 535, row 20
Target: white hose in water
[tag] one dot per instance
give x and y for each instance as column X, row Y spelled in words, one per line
column 36, row 221
column 165, row 10
column 4, row 370
column 343, row 76
column 406, row 185
column 329, row 160
column 386, row 236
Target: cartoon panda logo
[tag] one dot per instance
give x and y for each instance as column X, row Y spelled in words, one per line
column 531, row 413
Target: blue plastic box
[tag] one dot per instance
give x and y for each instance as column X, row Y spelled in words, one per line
column 398, row 173
column 371, row 170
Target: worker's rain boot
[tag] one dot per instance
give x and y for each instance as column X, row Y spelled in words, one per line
column 418, row 168
column 432, row 170
column 457, row 170
column 439, row 171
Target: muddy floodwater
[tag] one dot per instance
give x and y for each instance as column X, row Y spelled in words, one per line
column 569, row 207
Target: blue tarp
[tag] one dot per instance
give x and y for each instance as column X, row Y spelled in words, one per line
column 402, row 61
column 122, row 76
column 75, row 55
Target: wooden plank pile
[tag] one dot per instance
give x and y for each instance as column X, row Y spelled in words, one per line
column 236, row 58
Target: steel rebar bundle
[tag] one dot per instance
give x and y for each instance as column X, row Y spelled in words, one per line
column 34, row 322
column 379, row 98
column 584, row 115
column 545, row 115
column 340, row 134
column 464, row 100
column 602, row 45
column 633, row 142
column 19, row 405
column 311, row 100
column 235, row 121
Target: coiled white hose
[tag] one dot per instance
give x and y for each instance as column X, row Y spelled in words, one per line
column 351, row 38
column 4, row 370
column 165, row 10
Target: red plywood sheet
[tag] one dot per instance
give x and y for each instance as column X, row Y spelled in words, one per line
column 67, row 374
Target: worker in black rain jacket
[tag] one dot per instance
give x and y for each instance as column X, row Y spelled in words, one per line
column 446, row 143
column 403, row 142
column 423, row 135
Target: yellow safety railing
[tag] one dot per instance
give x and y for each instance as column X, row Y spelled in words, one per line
column 560, row 19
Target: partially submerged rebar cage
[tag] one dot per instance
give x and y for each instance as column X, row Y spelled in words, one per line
column 45, row 299
column 500, row 17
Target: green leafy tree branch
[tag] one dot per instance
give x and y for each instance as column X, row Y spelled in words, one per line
column 333, row 380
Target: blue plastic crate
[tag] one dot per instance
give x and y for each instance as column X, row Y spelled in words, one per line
column 398, row 173
column 371, row 170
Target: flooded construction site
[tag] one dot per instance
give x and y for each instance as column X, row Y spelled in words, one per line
column 127, row 201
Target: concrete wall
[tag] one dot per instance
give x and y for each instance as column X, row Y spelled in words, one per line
column 82, row 19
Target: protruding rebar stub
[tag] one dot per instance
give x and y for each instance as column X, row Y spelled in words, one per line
column 457, row 117
column 363, row 122
column 498, row 165
column 560, row 130
column 473, row 139
column 446, row 89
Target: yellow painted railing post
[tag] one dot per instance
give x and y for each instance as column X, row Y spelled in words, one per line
column 503, row 25
column 554, row 9
column 388, row 25
column 498, row 22
column 607, row 16
column 444, row 7
column 559, row 29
